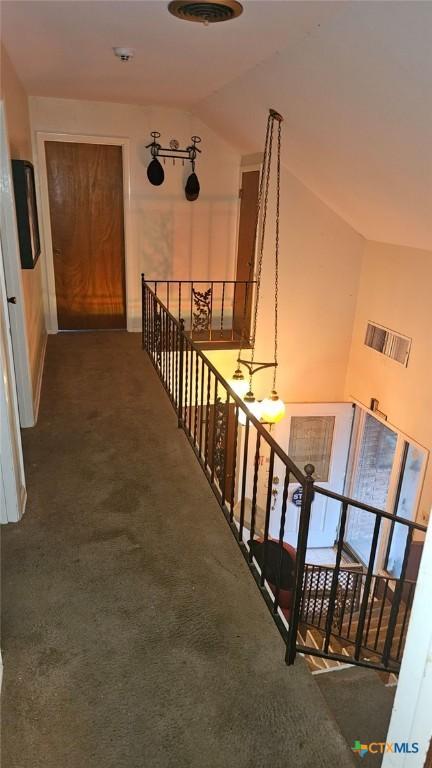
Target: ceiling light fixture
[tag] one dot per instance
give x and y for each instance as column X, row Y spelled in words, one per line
column 205, row 12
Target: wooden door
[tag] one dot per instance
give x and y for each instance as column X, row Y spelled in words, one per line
column 85, row 187
column 246, row 250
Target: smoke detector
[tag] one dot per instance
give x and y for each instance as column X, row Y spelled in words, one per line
column 205, row 12
column 124, row 54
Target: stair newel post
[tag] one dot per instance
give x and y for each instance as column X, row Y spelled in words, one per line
column 143, row 312
column 180, row 373
column 305, row 513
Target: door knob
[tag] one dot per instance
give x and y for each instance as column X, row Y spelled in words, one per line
column 11, row 299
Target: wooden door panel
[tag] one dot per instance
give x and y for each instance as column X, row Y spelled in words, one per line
column 246, row 250
column 85, row 186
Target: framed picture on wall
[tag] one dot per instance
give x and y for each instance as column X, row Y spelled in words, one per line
column 26, row 212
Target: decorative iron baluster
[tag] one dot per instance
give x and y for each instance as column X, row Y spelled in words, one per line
column 222, row 310
column 157, row 333
column 220, row 441
column 234, row 463
column 201, row 316
column 281, row 539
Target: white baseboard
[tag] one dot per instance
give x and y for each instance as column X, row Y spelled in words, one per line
column 37, row 393
column 23, row 501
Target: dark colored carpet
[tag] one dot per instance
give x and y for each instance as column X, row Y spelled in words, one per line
column 361, row 704
column 133, row 633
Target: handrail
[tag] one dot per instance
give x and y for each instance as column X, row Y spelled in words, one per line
column 367, row 508
column 317, row 605
column 217, row 313
column 208, row 411
column 298, row 474
column 207, row 280
column 296, row 471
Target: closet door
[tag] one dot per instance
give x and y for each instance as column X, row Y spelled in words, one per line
column 85, row 187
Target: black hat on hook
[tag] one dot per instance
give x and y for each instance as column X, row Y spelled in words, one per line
column 192, row 188
column 155, row 172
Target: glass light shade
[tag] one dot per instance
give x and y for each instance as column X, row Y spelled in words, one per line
column 256, row 409
column 242, row 417
column 273, row 409
column 238, row 383
column 254, row 406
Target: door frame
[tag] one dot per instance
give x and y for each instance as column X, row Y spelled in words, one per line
column 48, row 275
column 359, row 419
column 13, row 281
column 248, row 163
column 13, row 494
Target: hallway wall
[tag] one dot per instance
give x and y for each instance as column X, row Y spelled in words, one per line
column 169, row 236
column 394, row 291
column 19, row 135
column 319, row 270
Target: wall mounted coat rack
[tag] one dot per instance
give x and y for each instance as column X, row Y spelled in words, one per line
column 155, row 171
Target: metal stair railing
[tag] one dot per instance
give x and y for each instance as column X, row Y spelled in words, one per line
column 239, row 456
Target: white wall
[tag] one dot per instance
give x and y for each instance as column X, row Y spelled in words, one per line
column 395, row 292
column 169, row 236
column 320, row 259
column 320, row 253
column 19, row 135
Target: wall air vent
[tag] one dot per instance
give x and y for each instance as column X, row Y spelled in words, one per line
column 389, row 343
column 205, row 12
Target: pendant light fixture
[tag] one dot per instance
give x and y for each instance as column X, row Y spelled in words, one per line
column 272, row 409
column 238, row 383
column 254, row 406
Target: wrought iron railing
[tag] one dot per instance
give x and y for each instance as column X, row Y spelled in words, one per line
column 241, row 459
column 215, row 312
column 316, row 606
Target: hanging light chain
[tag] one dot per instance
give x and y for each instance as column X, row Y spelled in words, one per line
column 277, row 255
column 272, row 409
column 252, row 261
column 266, row 184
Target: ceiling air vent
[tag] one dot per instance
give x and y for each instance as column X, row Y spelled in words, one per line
column 206, row 13
column 389, row 343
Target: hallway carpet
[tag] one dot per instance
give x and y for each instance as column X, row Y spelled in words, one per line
column 133, row 633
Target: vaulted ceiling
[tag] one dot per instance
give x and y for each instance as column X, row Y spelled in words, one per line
column 352, row 79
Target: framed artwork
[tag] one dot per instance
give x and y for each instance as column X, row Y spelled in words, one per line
column 26, row 212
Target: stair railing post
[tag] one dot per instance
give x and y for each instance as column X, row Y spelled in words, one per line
column 307, row 498
column 180, row 373
column 143, row 313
